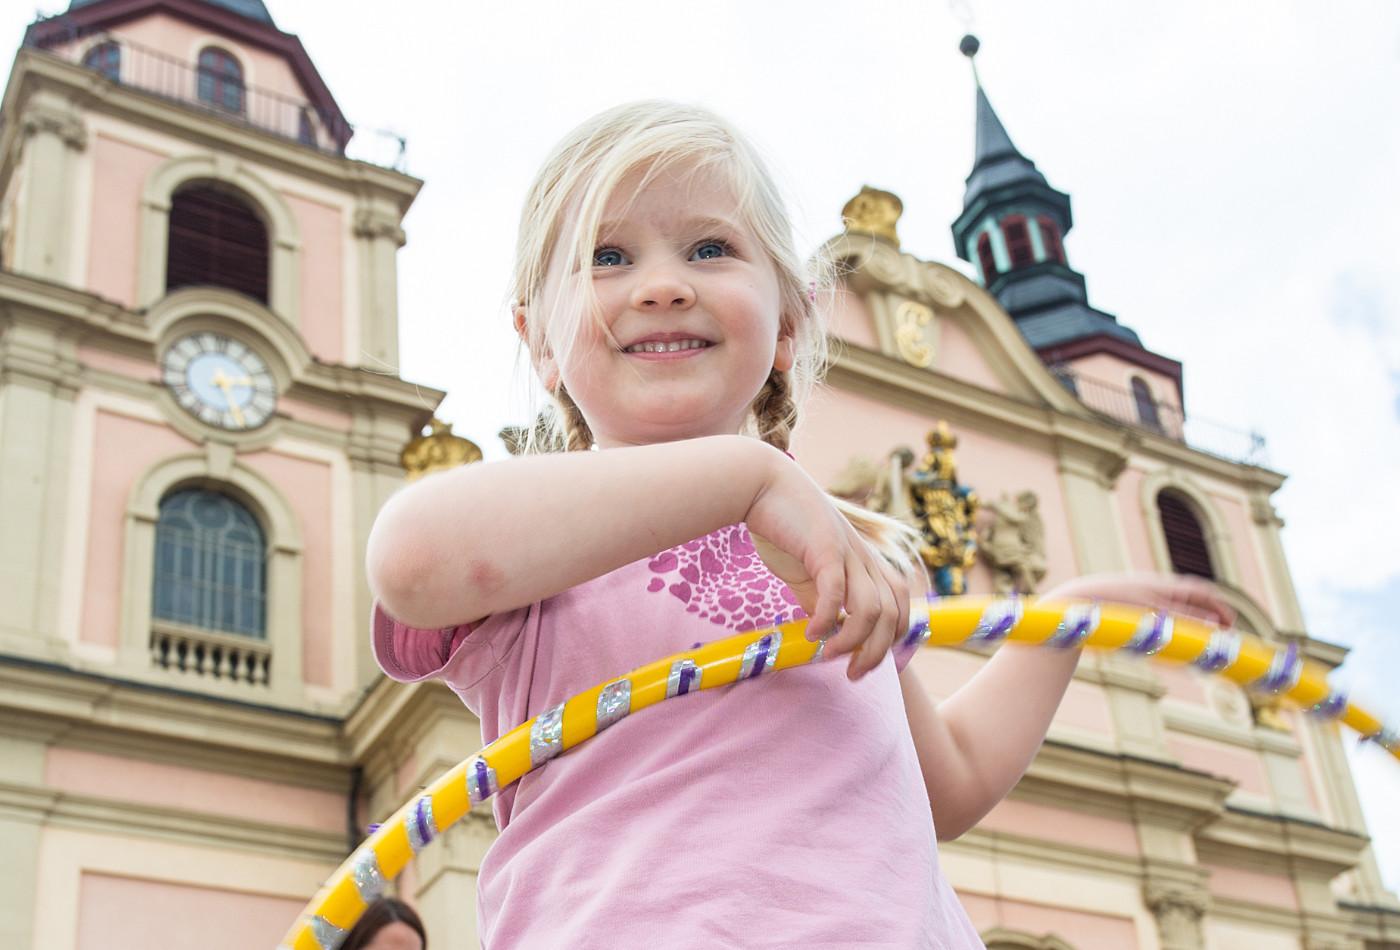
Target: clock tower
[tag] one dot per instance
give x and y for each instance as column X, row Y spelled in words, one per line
column 200, row 415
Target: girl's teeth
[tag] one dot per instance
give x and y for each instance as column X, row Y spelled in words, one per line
column 673, row 347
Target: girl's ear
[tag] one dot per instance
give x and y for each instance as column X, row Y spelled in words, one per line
column 786, row 355
column 545, row 367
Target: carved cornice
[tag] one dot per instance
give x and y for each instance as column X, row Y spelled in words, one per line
column 68, row 126
column 376, row 224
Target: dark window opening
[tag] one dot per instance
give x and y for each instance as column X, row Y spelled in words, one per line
column 216, row 239
column 211, row 564
column 1050, row 238
column 1146, row 405
column 986, row 258
column 1186, row 542
column 1018, row 240
column 306, row 128
column 220, row 80
column 105, row 58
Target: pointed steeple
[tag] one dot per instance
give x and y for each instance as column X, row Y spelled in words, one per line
column 1012, row 228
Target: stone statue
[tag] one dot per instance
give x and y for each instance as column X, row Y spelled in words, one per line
column 943, row 511
column 1013, row 543
column 881, row 488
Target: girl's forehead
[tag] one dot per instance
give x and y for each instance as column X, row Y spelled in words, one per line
column 673, row 195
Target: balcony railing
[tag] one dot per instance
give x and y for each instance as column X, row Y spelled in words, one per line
column 1164, row 418
column 211, row 90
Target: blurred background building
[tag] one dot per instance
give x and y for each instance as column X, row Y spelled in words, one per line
column 197, row 297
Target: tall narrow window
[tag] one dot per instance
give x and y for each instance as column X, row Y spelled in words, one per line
column 1050, row 239
column 105, row 58
column 1186, row 542
column 220, row 80
column 986, row 258
column 216, row 239
column 1146, row 405
column 1018, row 240
column 211, row 564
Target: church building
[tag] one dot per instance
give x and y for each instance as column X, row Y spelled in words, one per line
column 198, row 301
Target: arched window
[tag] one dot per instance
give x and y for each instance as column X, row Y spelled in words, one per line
column 1146, row 405
column 986, row 258
column 216, row 238
column 105, row 58
column 1018, row 240
column 1186, row 542
column 220, row 80
column 211, row 564
column 1050, row 239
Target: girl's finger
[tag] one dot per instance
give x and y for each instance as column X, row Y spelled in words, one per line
column 831, row 593
column 872, row 652
column 862, row 610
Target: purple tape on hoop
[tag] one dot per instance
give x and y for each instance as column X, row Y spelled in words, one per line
column 1284, row 672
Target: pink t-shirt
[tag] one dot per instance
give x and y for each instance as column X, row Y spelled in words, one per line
column 783, row 812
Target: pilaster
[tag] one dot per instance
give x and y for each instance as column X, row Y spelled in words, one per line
column 53, row 133
column 378, row 237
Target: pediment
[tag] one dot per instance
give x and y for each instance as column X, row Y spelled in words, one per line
column 930, row 316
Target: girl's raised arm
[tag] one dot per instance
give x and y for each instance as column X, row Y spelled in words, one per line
column 459, row 546
column 485, row 538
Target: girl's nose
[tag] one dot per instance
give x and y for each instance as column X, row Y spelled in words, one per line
column 662, row 288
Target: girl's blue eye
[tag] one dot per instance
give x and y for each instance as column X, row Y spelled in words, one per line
column 709, row 251
column 608, row 257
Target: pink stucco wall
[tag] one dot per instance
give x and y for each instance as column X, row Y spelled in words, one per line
column 841, row 424
column 131, row 367
column 1114, row 371
column 851, row 320
column 322, row 309
column 187, row 789
column 1273, row 889
column 128, row 913
column 119, row 173
column 1084, row 930
column 1129, row 498
column 959, row 356
column 1061, row 825
column 307, row 487
column 1218, row 758
column 122, row 449
column 944, row 670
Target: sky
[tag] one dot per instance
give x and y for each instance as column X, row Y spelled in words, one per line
column 1235, row 180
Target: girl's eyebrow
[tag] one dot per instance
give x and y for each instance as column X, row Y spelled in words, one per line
column 698, row 224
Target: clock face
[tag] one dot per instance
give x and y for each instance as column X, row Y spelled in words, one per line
column 220, row 381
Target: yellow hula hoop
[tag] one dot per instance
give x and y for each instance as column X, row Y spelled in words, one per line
column 1065, row 624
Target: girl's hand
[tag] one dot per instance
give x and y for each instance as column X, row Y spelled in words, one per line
column 1180, row 594
column 809, row 545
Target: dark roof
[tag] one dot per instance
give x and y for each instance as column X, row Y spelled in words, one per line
column 252, row 9
column 1071, row 321
column 997, row 162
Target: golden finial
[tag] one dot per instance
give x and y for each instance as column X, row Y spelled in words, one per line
column 437, row 451
column 874, row 212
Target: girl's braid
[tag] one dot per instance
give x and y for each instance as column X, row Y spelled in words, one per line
column 774, row 411
column 577, row 436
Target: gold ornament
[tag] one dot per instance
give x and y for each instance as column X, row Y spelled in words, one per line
column 437, row 451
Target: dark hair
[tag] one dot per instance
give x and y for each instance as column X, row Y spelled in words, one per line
column 379, row 915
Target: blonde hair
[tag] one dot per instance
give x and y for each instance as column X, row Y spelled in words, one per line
column 574, row 186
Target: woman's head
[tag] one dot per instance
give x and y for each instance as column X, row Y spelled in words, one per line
column 657, row 223
column 387, row 924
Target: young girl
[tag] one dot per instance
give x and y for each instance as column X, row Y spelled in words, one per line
column 664, row 307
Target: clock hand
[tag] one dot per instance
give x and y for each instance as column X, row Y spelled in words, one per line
column 224, row 383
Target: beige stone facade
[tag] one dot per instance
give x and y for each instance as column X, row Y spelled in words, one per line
column 142, row 796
